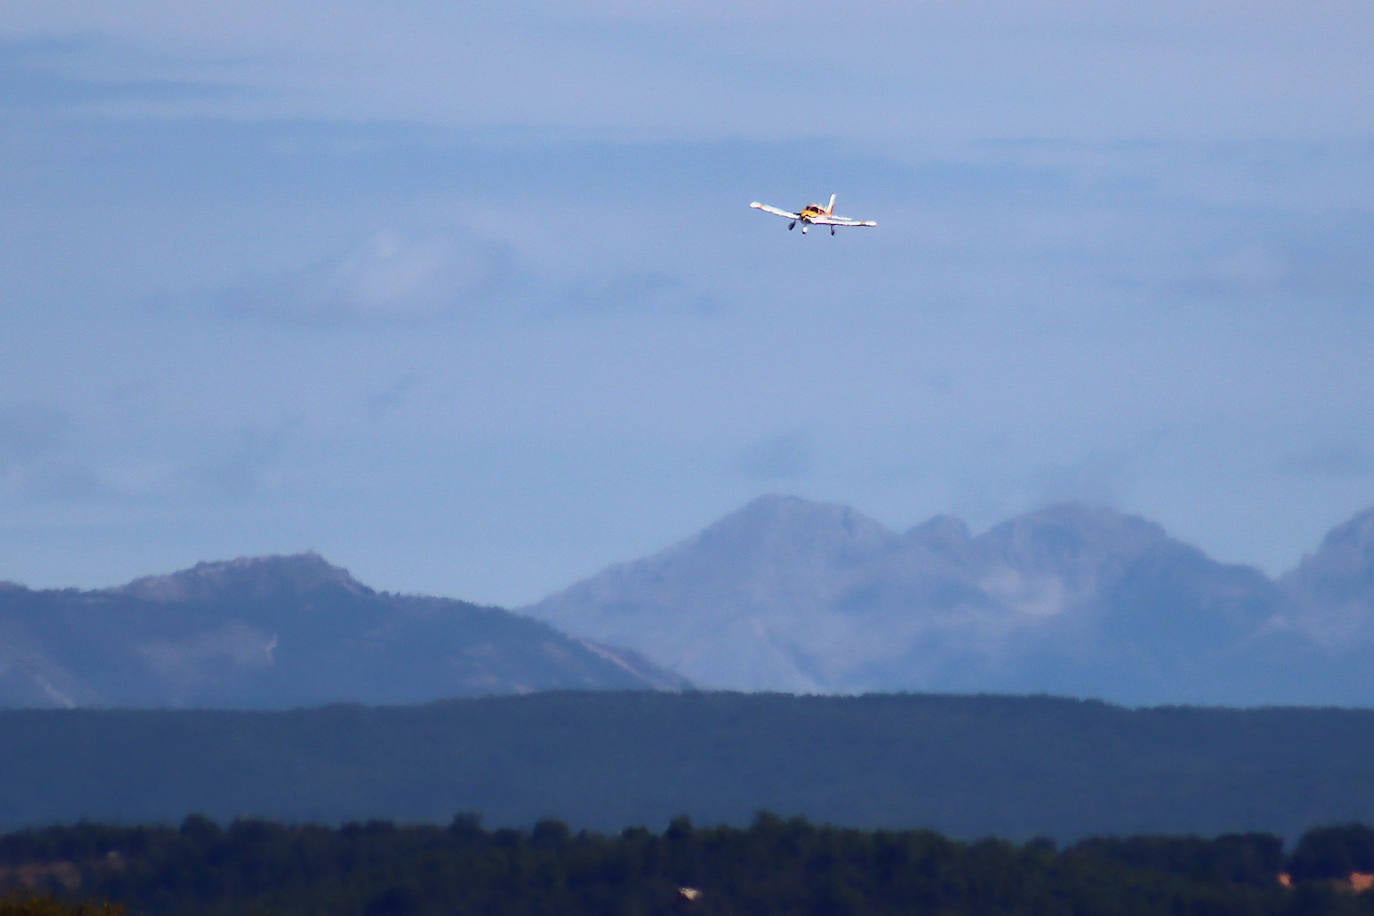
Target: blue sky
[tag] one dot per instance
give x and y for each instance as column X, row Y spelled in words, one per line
column 467, row 297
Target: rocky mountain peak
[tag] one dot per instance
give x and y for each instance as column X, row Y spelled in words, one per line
column 284, row 631
column 790, row 524
column 787, row 594
column 1353, row 539
column 1346, row 555
column 1070, row 535
column 255, row 577
column 1334, row 587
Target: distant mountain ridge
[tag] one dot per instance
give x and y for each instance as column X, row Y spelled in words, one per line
column 787, row 594
column 277, row 632
column 782, row 595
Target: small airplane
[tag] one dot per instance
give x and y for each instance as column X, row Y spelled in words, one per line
column 814, row 215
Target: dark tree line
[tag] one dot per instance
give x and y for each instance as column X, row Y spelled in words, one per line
column 967, row 766
column 775, row 865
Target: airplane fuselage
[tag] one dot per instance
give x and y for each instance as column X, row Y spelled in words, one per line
column 813, row 215
column 808, row 216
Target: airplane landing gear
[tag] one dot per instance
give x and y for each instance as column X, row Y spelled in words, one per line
column 792, row 225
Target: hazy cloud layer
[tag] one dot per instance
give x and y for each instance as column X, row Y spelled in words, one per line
column 36, row 464
column 28, row 431
column 929, row 70
column 429, row 289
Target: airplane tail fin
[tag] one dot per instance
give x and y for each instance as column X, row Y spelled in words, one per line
column 830, row 210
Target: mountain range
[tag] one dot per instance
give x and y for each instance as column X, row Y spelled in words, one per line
column 787, row 594
column 278, row 632
column 783, row 595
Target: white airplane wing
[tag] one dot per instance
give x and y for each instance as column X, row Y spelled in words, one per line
column 775, row 211
column 841, row 221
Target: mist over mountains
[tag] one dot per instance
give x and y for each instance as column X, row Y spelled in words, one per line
column 787, row 594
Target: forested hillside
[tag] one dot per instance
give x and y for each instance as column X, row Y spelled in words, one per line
column 966, row 766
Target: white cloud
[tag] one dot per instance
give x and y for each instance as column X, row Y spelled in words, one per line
column 388, row 277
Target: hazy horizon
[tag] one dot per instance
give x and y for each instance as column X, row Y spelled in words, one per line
column 684, row 537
